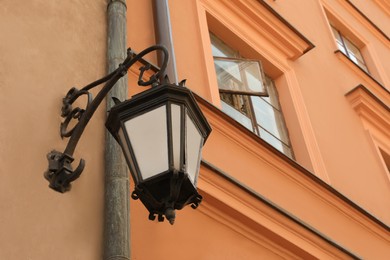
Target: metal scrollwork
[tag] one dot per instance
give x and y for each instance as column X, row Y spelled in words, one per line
column 60, row 173
column 70, row 113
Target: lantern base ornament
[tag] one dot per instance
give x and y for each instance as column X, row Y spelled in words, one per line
column 161, row 131
column 174, row 196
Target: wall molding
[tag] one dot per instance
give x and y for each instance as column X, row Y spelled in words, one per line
column 293, row 177
column 258, row 219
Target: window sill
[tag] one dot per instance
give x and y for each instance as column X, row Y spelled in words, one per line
column 362, row 73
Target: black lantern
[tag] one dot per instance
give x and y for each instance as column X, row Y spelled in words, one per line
column 161, row 132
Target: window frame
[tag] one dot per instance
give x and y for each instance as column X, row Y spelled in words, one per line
column 281, row 141
column 238, row 92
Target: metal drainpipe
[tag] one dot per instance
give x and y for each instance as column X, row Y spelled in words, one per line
column 163, row 31
column 117, row 194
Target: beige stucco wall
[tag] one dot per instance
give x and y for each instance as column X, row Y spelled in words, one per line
column 46, row 48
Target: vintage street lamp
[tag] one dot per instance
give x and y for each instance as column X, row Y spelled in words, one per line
column 161, row 131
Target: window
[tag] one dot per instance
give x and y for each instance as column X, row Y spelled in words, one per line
column 249, row 96
column 349, row 49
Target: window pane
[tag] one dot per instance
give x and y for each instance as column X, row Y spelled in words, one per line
column 273, row 97
column 228, row 73
column 339, row 41
column 342, row 48
column 336, row 34
column 239, row 117
column 253, row 75
column 239, row 75
column 352, row 48
column 363, row 66
column 269, row 118
column 355, row 54
column 238, row 102
column 275, row 142
column 353, row 51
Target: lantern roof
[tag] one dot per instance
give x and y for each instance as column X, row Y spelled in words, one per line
column 153, row 98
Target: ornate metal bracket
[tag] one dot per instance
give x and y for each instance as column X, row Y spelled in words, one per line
column 60, row 172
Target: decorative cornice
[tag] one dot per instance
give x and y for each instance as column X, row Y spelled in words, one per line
column 352, row 9
column 385, row 5
column 265, row 22
column 369, row 22
column 371, row 108
column 285, row 22
column 247, row 212
column 377, row 87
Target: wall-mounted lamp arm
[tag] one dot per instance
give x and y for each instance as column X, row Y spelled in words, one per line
column 60, row 173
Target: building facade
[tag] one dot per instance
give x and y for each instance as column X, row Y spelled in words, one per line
column 297, row 94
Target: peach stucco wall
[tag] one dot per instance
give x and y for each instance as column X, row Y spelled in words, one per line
column 46, row 48
column 340, row 151
column 353, row 164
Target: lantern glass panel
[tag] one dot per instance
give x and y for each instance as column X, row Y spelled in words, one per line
column 194, row 144
column 125, row 149
column 176, row 125
column 149, row 140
